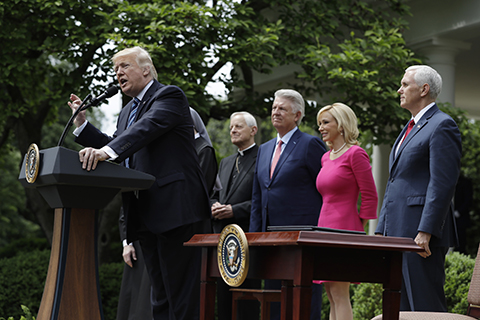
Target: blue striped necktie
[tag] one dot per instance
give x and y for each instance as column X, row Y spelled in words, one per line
column 133, row 112
column 131, row 119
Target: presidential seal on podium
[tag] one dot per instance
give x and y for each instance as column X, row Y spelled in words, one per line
column 32, row 162
column 232, row 255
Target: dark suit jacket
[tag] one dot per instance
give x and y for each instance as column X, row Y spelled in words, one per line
column 208, row 162
column 160, row 143
column 291, row 196
column 422, row 181
column 239, row 195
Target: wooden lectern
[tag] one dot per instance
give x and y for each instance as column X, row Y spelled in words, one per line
column 72, row 289
column 298, row 257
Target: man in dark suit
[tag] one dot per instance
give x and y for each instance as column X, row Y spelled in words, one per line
column 284, row 190
column 155, row 135
column 424, row 168
column 205, row 152
column 232, row 204
column 286, row 194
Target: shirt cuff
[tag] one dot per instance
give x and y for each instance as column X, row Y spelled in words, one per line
column 109, row 151
column 125, row 243
column 79, row 130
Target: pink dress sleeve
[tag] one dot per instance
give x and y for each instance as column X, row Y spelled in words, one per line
column 362, row 171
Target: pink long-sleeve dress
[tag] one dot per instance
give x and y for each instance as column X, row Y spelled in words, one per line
column 340, row 182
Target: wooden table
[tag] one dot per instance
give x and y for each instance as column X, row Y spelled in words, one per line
column 298, row 257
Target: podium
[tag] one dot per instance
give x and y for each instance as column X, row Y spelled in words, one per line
column 298, row 257
column 71, row 288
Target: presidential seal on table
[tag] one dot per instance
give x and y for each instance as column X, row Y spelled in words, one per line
column 232, row 255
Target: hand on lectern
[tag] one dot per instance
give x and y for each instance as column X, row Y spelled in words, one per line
column 89, row 157
column 76, row 102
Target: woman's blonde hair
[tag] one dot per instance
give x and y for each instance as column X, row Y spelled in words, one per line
column 346, row 121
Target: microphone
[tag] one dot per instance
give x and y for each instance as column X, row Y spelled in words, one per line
column 110, row 92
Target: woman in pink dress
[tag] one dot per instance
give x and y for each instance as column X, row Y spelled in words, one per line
column 345, row 173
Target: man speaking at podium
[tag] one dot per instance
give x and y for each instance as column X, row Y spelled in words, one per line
column 155, row 135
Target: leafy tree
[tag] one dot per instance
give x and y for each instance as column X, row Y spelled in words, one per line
column 351, row 47
column 348, row 50
column 12, row 224
column 356, row 54
column 49, row 50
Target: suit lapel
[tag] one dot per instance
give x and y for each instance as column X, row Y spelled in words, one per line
column 142, row 108
column 248, row 163
column 416, row 129
column 226, row 174
column 144, row 104
column 123, row 117
column 292, row 143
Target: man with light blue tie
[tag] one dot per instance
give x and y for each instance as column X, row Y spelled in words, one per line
column 157, row 137
column 284, row 191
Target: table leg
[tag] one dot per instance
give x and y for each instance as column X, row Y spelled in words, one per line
column 286, row 300
column 392, row 288
column 208, row 289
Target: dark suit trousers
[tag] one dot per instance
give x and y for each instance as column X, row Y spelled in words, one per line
column 423, row 281
column 134, row 298
column 174, row 272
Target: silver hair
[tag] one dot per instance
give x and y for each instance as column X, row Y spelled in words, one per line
column 426, row 74
column 249, row 119
column 142, row 57
column 296, row 99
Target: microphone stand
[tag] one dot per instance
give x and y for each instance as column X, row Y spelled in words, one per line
column 72, row 118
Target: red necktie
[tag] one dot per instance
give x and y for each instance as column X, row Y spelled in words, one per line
column 409, row 128
column 276, row 156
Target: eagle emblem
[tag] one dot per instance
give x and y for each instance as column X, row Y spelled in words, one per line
column 232, row 254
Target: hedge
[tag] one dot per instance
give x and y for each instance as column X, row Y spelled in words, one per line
column 22, row 279
column 367, row 297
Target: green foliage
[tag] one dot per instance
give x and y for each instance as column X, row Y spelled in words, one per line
column 28, row 315
column 35, row 78
column 110, row 279
column 54, row 48
column 22, row 279
column 351, row 47
column 364, row 72
column 347, row 50
column 23, row 245
column 470, row 133
column 12, row 224
column 348, row 46
column 367, row 300
column 458, row 274
column 190, row 41
column 367, row 297
column 219, row 132
column 325, row 312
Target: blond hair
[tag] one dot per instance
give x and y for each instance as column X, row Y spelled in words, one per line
column 346, row 121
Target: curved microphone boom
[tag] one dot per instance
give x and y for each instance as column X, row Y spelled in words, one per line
column 110, row 92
